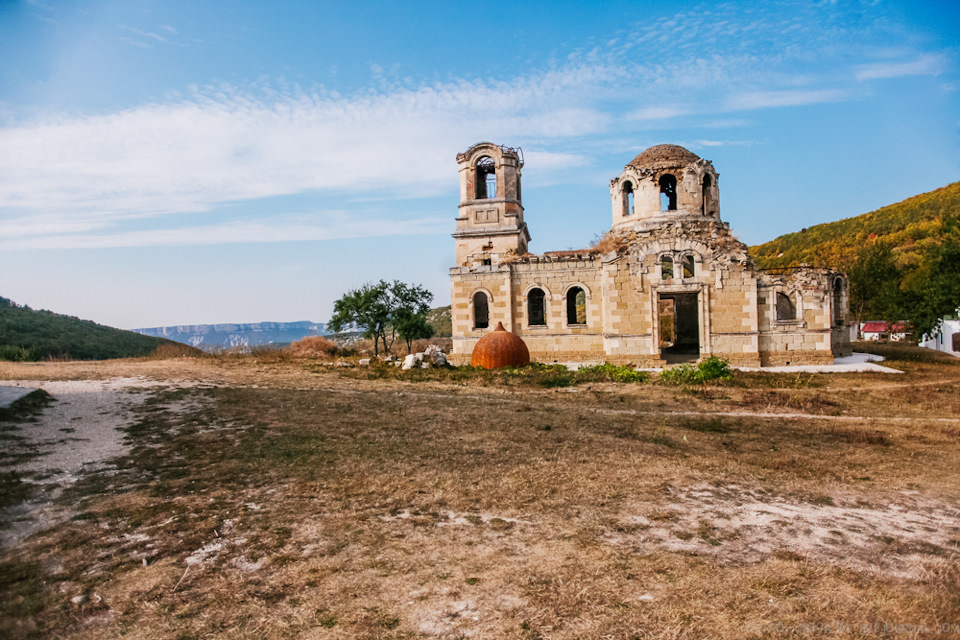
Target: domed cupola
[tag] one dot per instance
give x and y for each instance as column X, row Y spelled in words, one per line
column 664, row 156
column 664, row 182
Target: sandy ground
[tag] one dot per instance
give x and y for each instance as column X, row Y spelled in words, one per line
column 857, row 362
column 740, row 524
column 78, row 433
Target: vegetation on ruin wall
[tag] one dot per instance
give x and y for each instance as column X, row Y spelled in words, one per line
column 908, row 227
column 27, row 335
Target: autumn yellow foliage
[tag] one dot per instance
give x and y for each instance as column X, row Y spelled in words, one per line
column 907, row 227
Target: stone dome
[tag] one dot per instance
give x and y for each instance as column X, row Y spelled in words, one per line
column 500, row 348
column 664, row 155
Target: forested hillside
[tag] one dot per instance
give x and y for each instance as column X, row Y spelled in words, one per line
column 907, row 227
column 903, row 260
column 439, row 319
column 29, row 334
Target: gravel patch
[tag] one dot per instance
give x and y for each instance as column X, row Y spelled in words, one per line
column 79, row 433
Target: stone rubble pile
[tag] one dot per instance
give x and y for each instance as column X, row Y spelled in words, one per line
column 433, row 356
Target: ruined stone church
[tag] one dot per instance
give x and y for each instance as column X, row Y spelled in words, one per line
column 668, row 282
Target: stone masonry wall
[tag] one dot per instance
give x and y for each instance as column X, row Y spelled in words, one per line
column 624, row 279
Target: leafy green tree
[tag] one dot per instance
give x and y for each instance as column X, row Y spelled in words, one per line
column 366, row 309
column 932, row 290
column 378, row 310
column 412, row 326
column 875, row 284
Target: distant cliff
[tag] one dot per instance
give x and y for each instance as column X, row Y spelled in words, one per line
column 226, row 336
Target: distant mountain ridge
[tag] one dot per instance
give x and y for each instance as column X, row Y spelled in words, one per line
column 908, row 227
column 230, row 336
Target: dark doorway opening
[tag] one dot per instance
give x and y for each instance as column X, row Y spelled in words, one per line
column 679, row 327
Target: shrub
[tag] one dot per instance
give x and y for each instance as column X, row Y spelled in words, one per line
column 682, row 374
column 607, row 372
column 313, row 347
column 13, row 353
column 174, row 350
column 557, row 379
column 713, row 368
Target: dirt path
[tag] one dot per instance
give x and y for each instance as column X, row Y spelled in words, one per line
column 80, row 432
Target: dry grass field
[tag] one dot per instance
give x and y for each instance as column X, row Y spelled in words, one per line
column 271, row 496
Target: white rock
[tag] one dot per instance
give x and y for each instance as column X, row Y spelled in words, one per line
column 409, row 362
column 436, row 354
column 364, row 362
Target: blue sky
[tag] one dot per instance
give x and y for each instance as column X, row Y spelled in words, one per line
column 198, row 162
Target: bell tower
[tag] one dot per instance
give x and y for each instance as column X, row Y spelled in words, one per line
column 665, row 182
column 490, row 224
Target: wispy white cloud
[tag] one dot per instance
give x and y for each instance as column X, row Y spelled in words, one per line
column 151, row 36
column 721, row 143
column 928, row 65
column 657, row 112
column 42, row 7
column 88, row 176
column 136, row 43
column 786, row 98
column 88, row 179
column 279, row 228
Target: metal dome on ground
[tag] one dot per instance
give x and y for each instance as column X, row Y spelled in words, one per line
column 500, row 348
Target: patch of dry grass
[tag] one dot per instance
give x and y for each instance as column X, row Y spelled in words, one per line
column 286, row 500
column 314, row 347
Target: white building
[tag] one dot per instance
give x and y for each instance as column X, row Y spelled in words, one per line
column 883, row 331
column 948, row 340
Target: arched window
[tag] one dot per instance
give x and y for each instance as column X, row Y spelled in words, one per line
column 786, row 310
column 486, row 178
column 481, row 311
column 708, row 208
column 666, row 268
column 576, row 306
column 536, row 308
column 689, row 267
column 628, row 203
column 837, row 301
column 668, row 192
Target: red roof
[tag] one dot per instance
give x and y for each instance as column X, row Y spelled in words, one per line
column 884, row 327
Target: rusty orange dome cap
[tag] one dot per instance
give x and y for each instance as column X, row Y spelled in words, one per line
column 500, row 348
